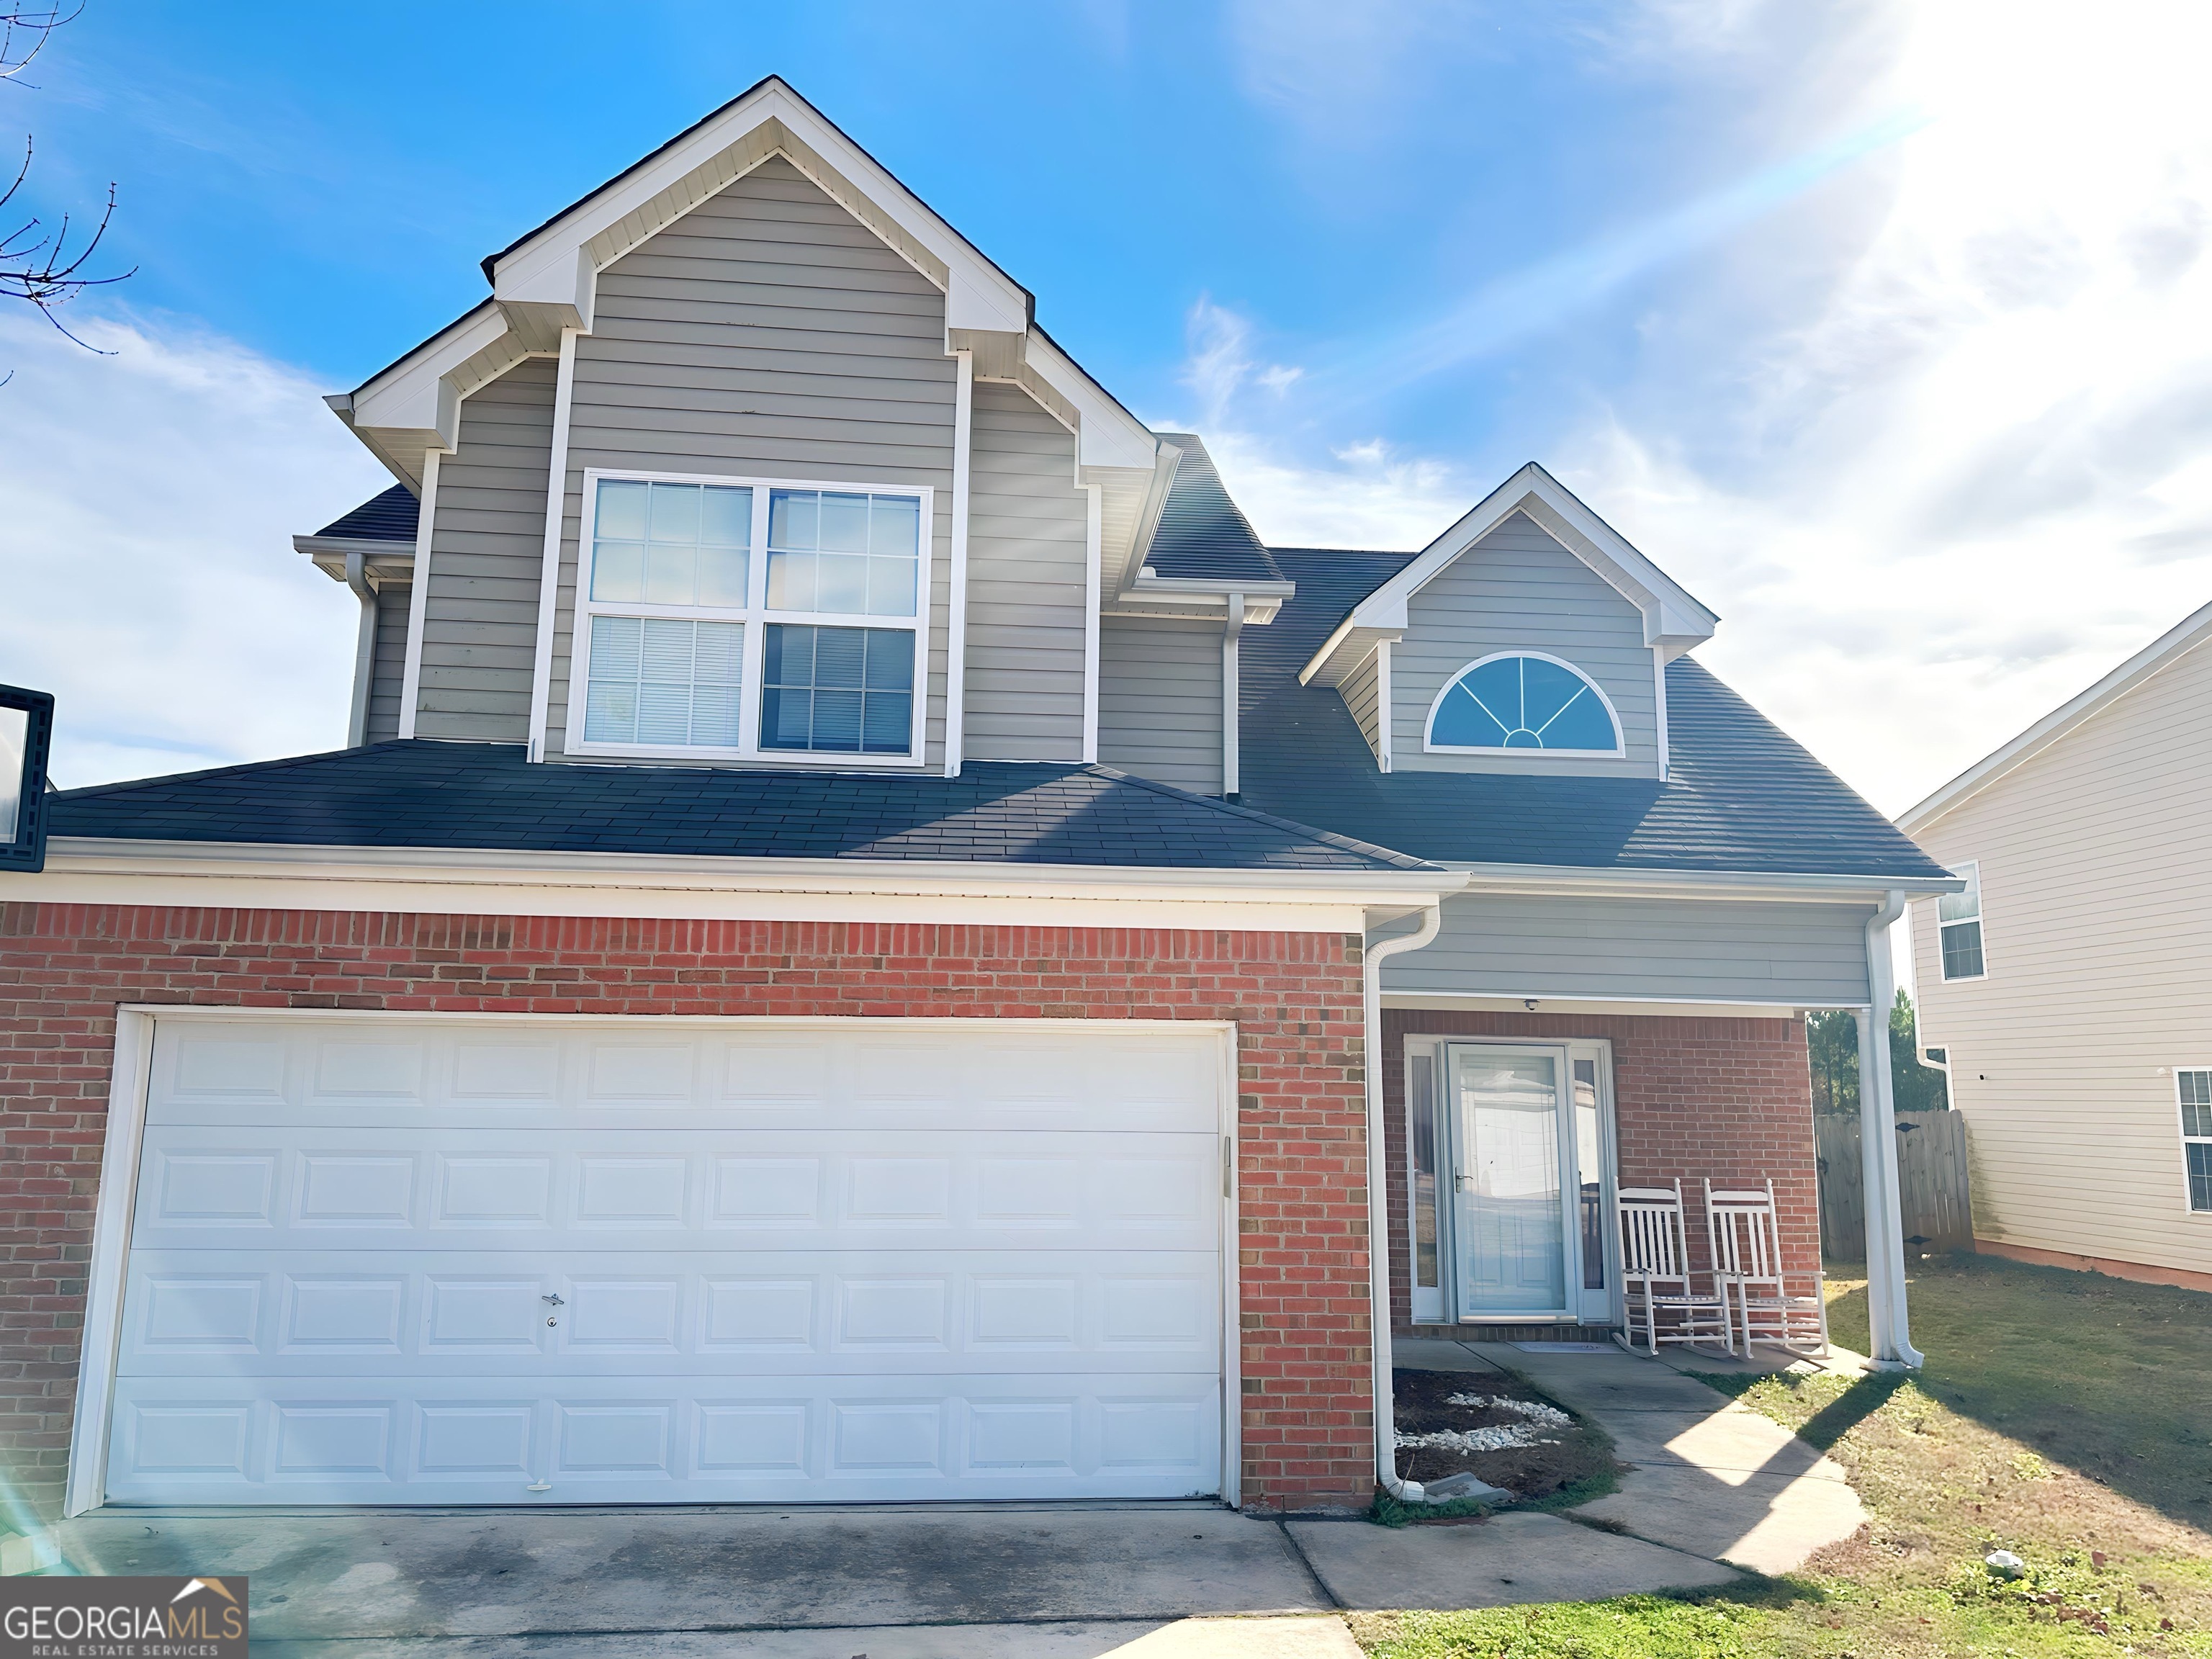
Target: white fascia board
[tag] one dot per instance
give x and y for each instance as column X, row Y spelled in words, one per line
column 415, row 394
column 1808, row 887
column 78, row 855
column 1550, row 1002
column 1673, row 620
column 1106, row 435
column 1168, row 585
column 2188, row 633
column 367, row 547
column 398, row 880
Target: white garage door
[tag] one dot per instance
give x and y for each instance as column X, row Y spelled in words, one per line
column 638, row 1261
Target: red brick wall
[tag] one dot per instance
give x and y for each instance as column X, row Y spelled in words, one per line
column 1302, row 1265
column 1728, row 1098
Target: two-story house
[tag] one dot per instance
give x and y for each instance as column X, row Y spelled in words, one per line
column 870, row 940
column 2061, row 989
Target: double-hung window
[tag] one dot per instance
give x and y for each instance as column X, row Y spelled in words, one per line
column 747, row 618
column 2194, row 1089
column 1958, row 927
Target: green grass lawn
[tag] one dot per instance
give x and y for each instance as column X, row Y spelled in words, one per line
column 2064, row 1416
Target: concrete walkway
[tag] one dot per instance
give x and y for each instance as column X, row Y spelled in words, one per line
column 1708, row 1476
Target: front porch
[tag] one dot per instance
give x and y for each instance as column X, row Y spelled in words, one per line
column 1502, row 1187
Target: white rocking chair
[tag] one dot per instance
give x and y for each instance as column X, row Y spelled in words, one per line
column 1772, row 1303
column 1655, row 1275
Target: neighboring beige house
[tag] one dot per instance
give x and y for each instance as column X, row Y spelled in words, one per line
column 2066, row 990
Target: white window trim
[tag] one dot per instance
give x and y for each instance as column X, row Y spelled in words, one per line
column 756, row 617
column 1619, row 751
column 1947, row 978
column 2187, row 1142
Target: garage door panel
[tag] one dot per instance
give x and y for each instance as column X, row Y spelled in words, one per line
column 287, row 1188
column 369, row 1314
column 633, row 1261
column 577, row 1076
column 648, row 1439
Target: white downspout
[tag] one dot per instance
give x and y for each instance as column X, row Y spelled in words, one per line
column 1890, row 1333
column 1378, row 1201
column 364, row 650
column 1231, row 783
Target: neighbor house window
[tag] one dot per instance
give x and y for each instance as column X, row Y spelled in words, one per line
column 1958, row 927
column 748, row 618
column 2195, row 1088
column 1523, row 701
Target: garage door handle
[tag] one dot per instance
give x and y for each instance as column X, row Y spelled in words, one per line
column 555, row 1300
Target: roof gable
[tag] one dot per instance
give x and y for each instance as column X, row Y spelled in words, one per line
column 1673, row 620
column 546, row 283
column 1741, row 796
column 2192, row 631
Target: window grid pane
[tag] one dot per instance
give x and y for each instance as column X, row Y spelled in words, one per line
column 1421, row 1098
column 837, row 691
column 2200, row 1175
column 1967, row 906
column 671, row 544
column 1523, row 702
column 1962, row 950
column 663, row 681
column 842, row 552
column 2196, row 1090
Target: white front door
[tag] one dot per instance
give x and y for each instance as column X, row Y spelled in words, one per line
column 1515, row 1251
column 420, row 1261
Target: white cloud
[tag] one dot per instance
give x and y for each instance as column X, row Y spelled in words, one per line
column 1970, row 468
column 145, row 552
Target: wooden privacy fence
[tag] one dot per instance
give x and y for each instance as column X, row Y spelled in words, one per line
column 1931, row 1175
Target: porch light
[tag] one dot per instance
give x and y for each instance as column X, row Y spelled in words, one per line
column 26, row 734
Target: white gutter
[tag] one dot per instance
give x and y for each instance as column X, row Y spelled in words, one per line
column 679, row 872
column 1892, row 1339
column 1572, row 880
column 364, row 650
column 1379, row 1202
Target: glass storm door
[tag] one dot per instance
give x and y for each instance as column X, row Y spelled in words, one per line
column 1516, row 1246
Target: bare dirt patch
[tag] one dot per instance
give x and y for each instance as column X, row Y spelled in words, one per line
column 1497, row 1428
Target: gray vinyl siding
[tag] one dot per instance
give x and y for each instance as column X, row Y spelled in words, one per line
column 1517, row 589
column 1027, row 599
column 487, row 562
column 767, row 333
column 1801, row 955
column 1359, row 690
column 387, row 668
column 1159, row 701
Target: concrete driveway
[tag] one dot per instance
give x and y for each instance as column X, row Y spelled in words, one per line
column 1712, row 1488
column 1056, row 1581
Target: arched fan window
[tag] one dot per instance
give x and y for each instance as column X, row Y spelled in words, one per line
column 1524, row 700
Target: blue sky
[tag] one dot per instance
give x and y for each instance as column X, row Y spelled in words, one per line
column 1882, row 325
column 318, row 185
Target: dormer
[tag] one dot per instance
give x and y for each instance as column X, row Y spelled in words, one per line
column 750, row 459
column 1531, row 638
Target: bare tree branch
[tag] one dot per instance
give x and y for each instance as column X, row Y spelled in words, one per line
column 24, row 32
column 38, row 266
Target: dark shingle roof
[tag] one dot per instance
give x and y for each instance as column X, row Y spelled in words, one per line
column 1742, row 795
column 1201, row 533
column 389, row 517
column 489, row 797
